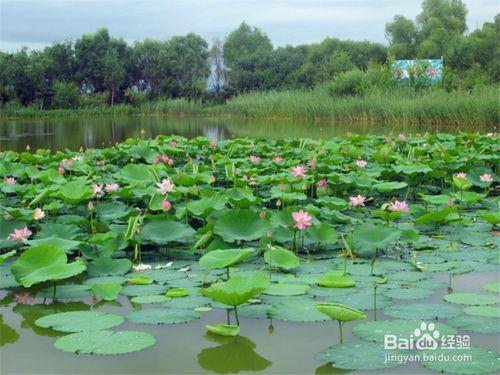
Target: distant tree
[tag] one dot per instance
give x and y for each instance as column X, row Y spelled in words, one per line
column 402, row 34
column 66, row 95
column 219, row 74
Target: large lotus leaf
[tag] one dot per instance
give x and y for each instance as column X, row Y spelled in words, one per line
column 8, row 335
column 56, row 241
column 241, row 198
column 478, row 324
column 472, row 299
column 223, row 329
column 402, row 329
column 7, row 255
column 80, row 321
column 482, row 361
column 409, row 293
column 154, row 298
column 411, row 169
column 386, row 187
column 436, row 200
column 75, row 192
column 110, row 211
column 105, row 342
column 107, row 291
column 286, row 289
column 322, row 233
column 468, row 196
column 340, row 312
column 205, row 206
column 367, row 239
column 362, row 300
column 163, row 231
column 238, row 289
column 66, row 231
column 283, row 218
column 66, row 291
column 135, row 173
column 224, row 258
column 492, row 287
column 44, row 263
column 434, row 217
column 333, row 203
column 335, row 279
column 278, row 257
column 425, row 311
column 140, row 280
column 243, row 225
column 488, row 311
column 492, row 217
column 296, row 310
column 163, row 316
column 143, row 290
column 105, row 266
column 360, row 356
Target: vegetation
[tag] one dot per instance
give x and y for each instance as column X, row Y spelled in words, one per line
column 258, row 227
column 184, row 75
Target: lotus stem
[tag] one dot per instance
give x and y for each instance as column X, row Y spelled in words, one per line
column 270, row 264
column 375, row 302
column 54, row 291
column 227, row 273
column 236, row 316
column 340, row 332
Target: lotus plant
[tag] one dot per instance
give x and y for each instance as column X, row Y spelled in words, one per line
column 340, row 313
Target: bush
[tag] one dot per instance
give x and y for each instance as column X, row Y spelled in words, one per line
column 351, row 83
column 136, row 98
column 66, row 95
column 97, row 100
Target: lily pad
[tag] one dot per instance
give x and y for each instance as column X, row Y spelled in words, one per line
column 286, row 289
column 492, row 287
column 472, row 299
column 79, row 321
column 281, row 258
column 245, row 225
column 478, row 324
column 161, row 232
column 482, row 361
column 488, row 311
column 105, row 342
column 163, row 316
column 223, row 258
column 424, row 311
column 334, row 279
column 303, row 310
column 104, row 266
column 107, row 291
column 224, row 329
column 158, row 298
column 409, row 293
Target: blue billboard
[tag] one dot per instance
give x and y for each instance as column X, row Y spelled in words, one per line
column 410, row 70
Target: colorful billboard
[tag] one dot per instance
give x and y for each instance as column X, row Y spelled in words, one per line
column 428, row 70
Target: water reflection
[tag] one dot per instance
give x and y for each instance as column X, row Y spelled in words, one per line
column 234, row 354
column 329, row 369
column 73, row 133
column 8, row 335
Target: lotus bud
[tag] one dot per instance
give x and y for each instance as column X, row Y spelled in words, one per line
column 90, row 206
column 28, row 147
column 269, row 233
column 278, row 203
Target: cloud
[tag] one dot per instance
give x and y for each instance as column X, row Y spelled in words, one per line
column 37, row 23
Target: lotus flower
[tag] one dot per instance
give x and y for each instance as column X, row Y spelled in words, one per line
column 10, row 180
column 173, row 144
column 38, row 214
column 24, row 298
column 398, row 206
column 321, row 183
column 156, row 160
column 112, row 187
column 486, row 178
column 141, row 267
column 20, row 234
column 277, row 159
column 61, row 169
column 165, row 186
column 460, row 175
column 402, row 137
column 361, row 163
column 357, row 201
column 97, row 188
column 166, row 205
column 311, row 164
column 254, row 159
column 213, row 144
column 302, row 219
column 299, row 171
column 77, row 158
column 349, row 133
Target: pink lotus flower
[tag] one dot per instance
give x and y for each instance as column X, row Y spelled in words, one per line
column 112, row 187
column 10, row 180
column 69, row 163
column 402, row 137
column 245, row 177
column 212, row 178
column 165, row 186
column 38, row 214
column 357, row 201
column 398, row 206
column 349, row 133
column 460, row 175
column 166, row 205
column 253, row 182
column 156, row 160
column 388, row 140
column 24, row 298
column 254, row 159
column 299, row 171
column 361, row 163
column 302, row 219
column 90, row 206
column 213, row 144
column 321, row 183
column 97, row 188
column 277, row 159
column 486, row 178
column 311, row 164
column 20, row 234
column 61, row 169
column 173, row 144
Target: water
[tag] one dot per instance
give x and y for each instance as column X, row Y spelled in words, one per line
column 73, row 133
column 289, row 348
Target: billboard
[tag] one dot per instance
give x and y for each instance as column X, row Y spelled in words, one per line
column 410, row 70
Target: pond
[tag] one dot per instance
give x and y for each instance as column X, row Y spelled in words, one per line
column 87, row 132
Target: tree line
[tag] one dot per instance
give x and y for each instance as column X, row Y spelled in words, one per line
column 98, row 69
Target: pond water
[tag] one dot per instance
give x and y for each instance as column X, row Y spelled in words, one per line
column 265, row 346
column 73, row 133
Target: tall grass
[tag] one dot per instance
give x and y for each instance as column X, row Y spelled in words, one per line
column 480, row 107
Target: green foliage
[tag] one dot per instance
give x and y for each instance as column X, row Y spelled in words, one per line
column 66, row 95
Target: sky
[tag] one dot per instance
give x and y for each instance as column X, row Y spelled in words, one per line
column 38, row 23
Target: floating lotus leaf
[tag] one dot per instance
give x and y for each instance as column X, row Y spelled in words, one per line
column 104, row 266
column 224, row 329
column 367, row 239
column 482, row 361
column 7, row 255
column 492, row 287
column 333, row 203
column 75, row 192
column 488, row 311
column 189, row 302
column 335, row 279
column 492, row 217
column 286, row 289
column 140, row 280
column 386, row 187
column 143, row 290
column 281, row 258
column 360, row 356
column 322, row 233
column 135, row 173
column 362, row 300
column 177, row 293
column 424, row 311
column 224, row 258
column 409, row 293
column 163, row 231
column 66, row 291
column 245, row 225
column 402, row 329
column 472, row 299
column 163, row 316
column 105, row 342
column 254, row 311
column 156, row 298
column 435, row 217
column 295, row 310
column 80, row 321
column 340, row 312
column 58, row 242
column 107, row 291
column 478, row 324
column 409, row 276
column 44, row 263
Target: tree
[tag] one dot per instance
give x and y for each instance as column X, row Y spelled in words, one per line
column 114, row 72
column 402, row 35
column 219, row 76
column 66, row 95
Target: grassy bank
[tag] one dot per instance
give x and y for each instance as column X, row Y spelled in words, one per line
column 435, row 106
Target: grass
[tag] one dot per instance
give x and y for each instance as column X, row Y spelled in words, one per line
column 397, row 106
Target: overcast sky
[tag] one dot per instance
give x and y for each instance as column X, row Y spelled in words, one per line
column 37, row 23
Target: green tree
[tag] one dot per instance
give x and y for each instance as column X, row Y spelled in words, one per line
column 66, row 95
column 402, row 35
